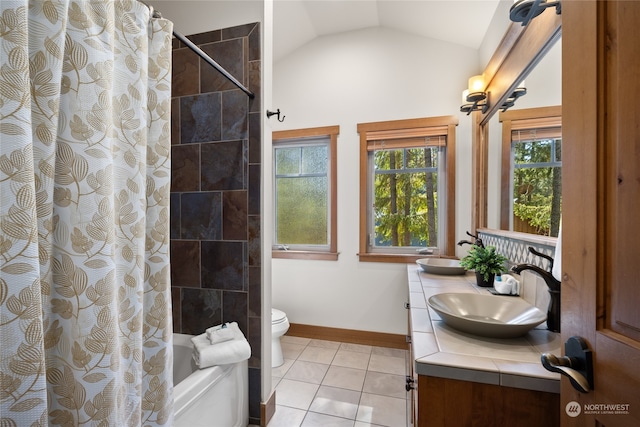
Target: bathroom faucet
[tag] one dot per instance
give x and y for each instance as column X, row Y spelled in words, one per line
column 553, row 313
column 477, row 241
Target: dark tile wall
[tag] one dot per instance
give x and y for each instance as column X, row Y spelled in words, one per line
column 215, row 190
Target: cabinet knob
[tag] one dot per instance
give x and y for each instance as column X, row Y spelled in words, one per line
column 410, row 385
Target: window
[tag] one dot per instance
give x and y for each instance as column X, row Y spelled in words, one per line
column 304, row 165
column 407, row 189
column 532, row 166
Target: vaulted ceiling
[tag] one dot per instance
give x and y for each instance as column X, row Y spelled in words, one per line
column 463, row 22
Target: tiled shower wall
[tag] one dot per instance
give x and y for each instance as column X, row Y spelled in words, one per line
column 215, row 190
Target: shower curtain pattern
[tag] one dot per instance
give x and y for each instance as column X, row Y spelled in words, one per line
column 85, row 308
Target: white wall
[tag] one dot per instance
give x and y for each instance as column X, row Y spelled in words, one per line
column 266, row 203
column 354, row 77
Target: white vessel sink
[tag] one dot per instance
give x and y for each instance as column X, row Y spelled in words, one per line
column 441, row 266
column 487, row 315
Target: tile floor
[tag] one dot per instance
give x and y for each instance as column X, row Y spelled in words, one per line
column 333, row 384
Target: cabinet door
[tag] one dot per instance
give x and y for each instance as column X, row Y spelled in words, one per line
column 601, row 206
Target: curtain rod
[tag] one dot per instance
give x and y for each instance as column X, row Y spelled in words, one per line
column 202, row 54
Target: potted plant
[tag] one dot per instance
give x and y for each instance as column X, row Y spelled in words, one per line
column 486, row 262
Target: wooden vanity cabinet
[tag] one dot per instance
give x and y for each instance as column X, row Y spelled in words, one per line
column 412, row 379
column 444, row 402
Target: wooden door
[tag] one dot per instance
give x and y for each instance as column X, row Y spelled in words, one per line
column 601, row 206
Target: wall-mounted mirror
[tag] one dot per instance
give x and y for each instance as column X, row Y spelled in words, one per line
column 524, row 161
column 530, row 53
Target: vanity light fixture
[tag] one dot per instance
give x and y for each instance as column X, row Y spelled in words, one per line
column 521, row 90
column 525, row 10
column 472, row 98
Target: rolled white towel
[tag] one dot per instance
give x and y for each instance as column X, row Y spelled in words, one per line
column 221, row 333
column 515, row 285
column 502, row 286
column 235, row 350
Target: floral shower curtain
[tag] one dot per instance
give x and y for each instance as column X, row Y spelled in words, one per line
column 85, row 309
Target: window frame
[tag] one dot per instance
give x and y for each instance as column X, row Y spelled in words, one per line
column 527, row 118
column 431, row 126
column 298, row 136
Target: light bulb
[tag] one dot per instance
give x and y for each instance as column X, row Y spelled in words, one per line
column 476, row 84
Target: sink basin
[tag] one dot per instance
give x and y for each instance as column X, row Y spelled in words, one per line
column 487, row 315
column 442, row 266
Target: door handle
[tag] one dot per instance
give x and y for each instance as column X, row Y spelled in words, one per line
column 577, row 364
column 562, row 365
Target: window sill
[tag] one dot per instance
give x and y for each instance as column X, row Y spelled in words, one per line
column 393, row 258
column 308, row 255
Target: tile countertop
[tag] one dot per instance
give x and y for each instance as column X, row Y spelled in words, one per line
column 441, row 351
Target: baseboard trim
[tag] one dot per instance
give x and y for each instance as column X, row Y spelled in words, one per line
column 267, row 409
column 353, row 336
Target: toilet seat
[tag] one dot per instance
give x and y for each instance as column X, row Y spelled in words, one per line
column 277, row 316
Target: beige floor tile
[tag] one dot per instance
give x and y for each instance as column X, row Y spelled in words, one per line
column 287, row 417
column 330, row 384
column 309, row 372
column 336, row 401
column 392, row 352
column 281, row 370
column 382, row 410
column 351, row 359
column 318, row 355
column 388, row 365
column 321, row 420
column 385, row 384
column 295, row 340
column 295, row 394
column 291, row 350
column 324, row 344
column 360, row 348
column 274, row 382
column 349, row 378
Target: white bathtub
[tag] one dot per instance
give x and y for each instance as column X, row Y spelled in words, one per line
column 213, row 397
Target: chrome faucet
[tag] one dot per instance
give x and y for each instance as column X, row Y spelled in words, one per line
column 553, row 313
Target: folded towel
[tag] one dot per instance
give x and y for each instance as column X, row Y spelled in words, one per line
column 515, row 285
column 221, row 333
column 235, row 350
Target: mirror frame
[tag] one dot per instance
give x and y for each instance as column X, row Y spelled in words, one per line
column 517, row 54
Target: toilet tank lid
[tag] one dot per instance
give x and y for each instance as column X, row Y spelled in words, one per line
column 277, row 315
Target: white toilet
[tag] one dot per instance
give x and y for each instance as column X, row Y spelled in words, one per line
column 279, row 327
